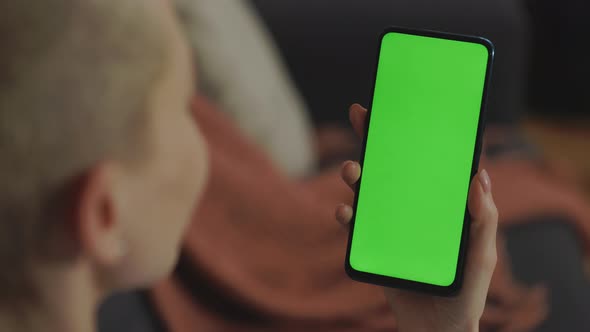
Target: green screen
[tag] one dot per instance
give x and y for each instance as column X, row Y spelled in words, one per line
column 418, row 158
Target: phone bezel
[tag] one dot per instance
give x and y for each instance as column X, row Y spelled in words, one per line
column 393, row 282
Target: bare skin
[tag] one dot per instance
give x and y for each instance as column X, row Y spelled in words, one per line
column 419, row 312
column 127, row 220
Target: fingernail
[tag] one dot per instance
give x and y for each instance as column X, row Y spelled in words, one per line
column 341, row 213
column 343, row 171
column 351, row 164
column 485, row 181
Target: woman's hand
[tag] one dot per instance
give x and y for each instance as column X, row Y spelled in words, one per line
column 421, row 312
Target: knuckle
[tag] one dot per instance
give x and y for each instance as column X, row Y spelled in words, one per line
column 493, row 213
column 490, row 259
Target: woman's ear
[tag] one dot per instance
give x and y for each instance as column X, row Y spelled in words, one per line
column 96, row 219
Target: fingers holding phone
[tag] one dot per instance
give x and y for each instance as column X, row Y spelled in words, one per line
column 417, row 311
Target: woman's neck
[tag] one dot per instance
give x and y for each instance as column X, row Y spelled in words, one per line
column 67, row 303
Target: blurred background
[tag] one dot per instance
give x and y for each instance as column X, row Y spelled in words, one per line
column 541, row 66
column 285, row 73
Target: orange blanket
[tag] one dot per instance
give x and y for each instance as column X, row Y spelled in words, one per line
column 265, row 253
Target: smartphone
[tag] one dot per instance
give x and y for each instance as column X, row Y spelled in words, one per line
column 421, row 151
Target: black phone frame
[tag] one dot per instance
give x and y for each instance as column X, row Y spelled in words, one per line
column 393, row 282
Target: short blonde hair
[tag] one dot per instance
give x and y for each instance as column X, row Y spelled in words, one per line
column 74, row 79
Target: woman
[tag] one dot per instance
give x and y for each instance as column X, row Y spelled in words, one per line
column 99, row 202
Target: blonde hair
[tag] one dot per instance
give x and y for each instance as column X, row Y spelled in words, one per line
column 74, row 79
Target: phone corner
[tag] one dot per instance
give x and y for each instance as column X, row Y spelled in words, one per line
column 350, row 271
column 489, row 45
column 454, row 288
